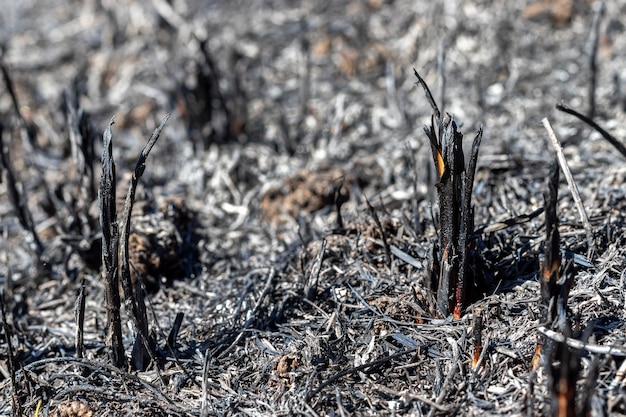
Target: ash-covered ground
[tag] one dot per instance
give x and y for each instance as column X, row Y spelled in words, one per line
column 251, row 221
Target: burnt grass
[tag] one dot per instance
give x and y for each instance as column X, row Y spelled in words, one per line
column 283, row 230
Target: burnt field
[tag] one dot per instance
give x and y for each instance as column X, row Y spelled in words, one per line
column 336, row 208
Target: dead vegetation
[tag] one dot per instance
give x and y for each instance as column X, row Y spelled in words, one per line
column 295, row 244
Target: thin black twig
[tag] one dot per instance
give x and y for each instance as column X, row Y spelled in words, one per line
column 383, row 234
column 170, row 342
column 551, row 261
column 79, row 315
column 204, row 407
column 82, row 138
column 441, row 63
column 339, row 199
column 215, row 79
column 310, row 290
column 17, row 405
column 429, row 95
column 26, row 139
column 513, row 221
column 173, row 334
column 594, row 39
column 606, row 135
column 134, row 296
column 18, row 198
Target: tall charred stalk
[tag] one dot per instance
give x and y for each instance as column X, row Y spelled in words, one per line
column 451, row 271
column 562, row 362
column 110, row 242
column 551, row 261
column 134, row 301
column 115, row 257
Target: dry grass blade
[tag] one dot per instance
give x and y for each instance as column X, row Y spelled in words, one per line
column 204, row 407
column 110, row 235
column 383, row 234
column 18, row 198
column 313, row 273
column 619, row 351
column 82, row 140
column 133, row 293
column 571, row 184
column 447, row 386
column 25, row 136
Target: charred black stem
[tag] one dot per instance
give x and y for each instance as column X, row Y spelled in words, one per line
column 27, row 140
column 606, row 135
column 134, row 301
column 18, row 198
column 17, row 405
column 79, row 315
column 551, row 262
column 594, row 39
column 562, row 363
column 383, row 234
column 110, row 240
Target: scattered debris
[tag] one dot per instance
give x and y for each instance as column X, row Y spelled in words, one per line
column 306, row 192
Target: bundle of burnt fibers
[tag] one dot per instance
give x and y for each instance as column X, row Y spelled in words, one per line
column 450, row 270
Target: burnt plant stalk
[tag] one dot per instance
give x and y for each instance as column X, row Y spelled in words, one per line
column 115, row 256
column 451, row 272
column 562, row 363
column 110, row 239
column 17, row 195
column 11, row 359
column 133, row 295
